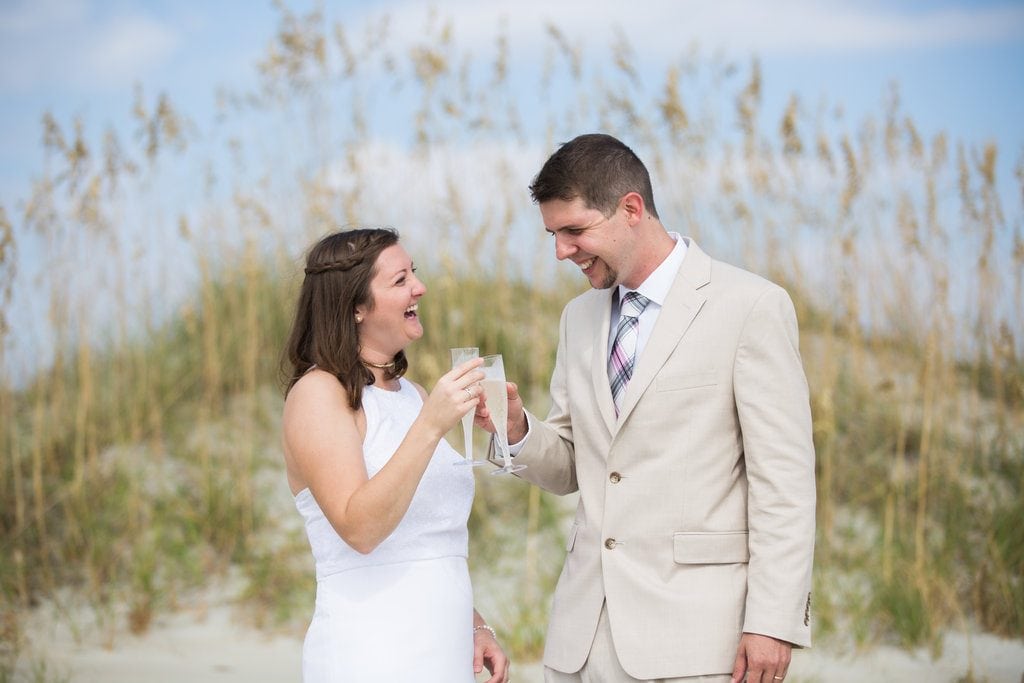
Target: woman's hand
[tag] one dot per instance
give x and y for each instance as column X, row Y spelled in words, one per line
column 487, row 652
column 456, row 393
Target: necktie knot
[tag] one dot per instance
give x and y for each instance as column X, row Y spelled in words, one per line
column 633, row 304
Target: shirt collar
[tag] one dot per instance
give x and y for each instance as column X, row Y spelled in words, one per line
column 658, row 283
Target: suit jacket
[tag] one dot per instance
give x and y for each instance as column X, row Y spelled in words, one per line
column 696, row 512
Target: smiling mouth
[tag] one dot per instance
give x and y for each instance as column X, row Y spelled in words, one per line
column 587, row 265
column 410, row 313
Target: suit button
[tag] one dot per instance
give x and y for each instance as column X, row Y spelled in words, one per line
column 614, row 477
column 609, row 543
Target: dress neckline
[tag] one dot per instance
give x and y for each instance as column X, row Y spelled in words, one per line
column 389, row 391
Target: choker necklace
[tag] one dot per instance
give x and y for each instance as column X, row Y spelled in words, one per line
column 379, row 366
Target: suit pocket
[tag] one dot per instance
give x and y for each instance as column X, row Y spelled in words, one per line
column 689, row 380
column 571, row 541
column 728, row 547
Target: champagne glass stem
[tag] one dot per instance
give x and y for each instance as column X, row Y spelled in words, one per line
column 467, row 434
column 506, row 455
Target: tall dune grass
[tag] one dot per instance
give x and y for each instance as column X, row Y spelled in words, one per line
column 144, row 458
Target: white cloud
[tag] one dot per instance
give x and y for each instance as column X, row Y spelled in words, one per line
column 57, row 44
column 125, row 49
column 29, row 15
column 815, row 27
column 664, row 27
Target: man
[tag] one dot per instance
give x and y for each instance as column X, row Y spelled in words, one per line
column 682, row 418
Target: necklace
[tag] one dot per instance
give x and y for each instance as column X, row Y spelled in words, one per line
column 379, row 366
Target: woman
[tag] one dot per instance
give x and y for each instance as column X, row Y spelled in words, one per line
column 372, row 476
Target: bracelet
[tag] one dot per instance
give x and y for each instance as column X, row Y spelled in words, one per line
column 487, row 628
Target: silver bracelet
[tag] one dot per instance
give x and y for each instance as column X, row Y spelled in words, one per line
column 487, row 628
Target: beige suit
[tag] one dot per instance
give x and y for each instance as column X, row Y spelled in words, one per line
column 696, row 512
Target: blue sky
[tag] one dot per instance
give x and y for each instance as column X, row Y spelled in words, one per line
column 959, row 65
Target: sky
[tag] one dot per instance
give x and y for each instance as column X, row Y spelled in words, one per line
column 959, row 65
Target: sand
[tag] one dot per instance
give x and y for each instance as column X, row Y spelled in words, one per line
column 210, row 642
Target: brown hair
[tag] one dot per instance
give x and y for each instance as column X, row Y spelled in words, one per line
column 597, row 168
column 339, row 269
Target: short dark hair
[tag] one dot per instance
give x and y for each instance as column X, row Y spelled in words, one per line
column 339, row 269
column 599, row 169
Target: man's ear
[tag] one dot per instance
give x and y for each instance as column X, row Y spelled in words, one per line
column 633, row 204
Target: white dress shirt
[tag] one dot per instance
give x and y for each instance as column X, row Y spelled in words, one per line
column 655, row 288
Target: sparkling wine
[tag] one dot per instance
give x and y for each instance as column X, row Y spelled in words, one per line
column 497, row 404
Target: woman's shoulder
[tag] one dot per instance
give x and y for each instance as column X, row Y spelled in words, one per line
column 316, row 386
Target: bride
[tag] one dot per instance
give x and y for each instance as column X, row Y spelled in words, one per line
column 372, row 476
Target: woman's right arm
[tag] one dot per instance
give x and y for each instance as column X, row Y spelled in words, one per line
column 324, row 447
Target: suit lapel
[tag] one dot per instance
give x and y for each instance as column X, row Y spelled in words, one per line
column 683, row 303
column 599, row 359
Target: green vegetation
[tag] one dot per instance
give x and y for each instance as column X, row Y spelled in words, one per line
column 136, row 469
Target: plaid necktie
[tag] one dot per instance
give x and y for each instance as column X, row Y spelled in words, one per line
column 620, row 363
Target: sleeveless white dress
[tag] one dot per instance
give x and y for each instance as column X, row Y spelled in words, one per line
column 403, row 612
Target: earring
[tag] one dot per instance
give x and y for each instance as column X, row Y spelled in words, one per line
column 359, row 319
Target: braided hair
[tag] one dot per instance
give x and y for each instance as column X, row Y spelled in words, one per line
column 339, row 269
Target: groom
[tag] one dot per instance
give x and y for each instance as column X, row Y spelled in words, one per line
column 680, row 413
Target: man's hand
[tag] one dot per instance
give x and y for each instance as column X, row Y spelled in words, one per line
column 517, row 426
column 763, row 659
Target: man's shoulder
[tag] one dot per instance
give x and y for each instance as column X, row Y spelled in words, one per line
column 727, row 274
column 723, row 275
column 736, row 294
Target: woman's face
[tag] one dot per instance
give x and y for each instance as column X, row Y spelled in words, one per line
column 392, row 323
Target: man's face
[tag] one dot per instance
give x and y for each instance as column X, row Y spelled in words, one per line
column 601, row 246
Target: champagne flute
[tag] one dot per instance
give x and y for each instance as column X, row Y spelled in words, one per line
column 460, row 356
column 496, row 393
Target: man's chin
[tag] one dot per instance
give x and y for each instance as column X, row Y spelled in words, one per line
column 600, row 276
column 606, row 282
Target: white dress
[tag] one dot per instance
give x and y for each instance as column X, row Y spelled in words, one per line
column 403, row 612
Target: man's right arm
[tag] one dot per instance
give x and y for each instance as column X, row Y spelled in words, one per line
column 546, row 447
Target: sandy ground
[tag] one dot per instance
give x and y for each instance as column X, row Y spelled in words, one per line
column 209, row 644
